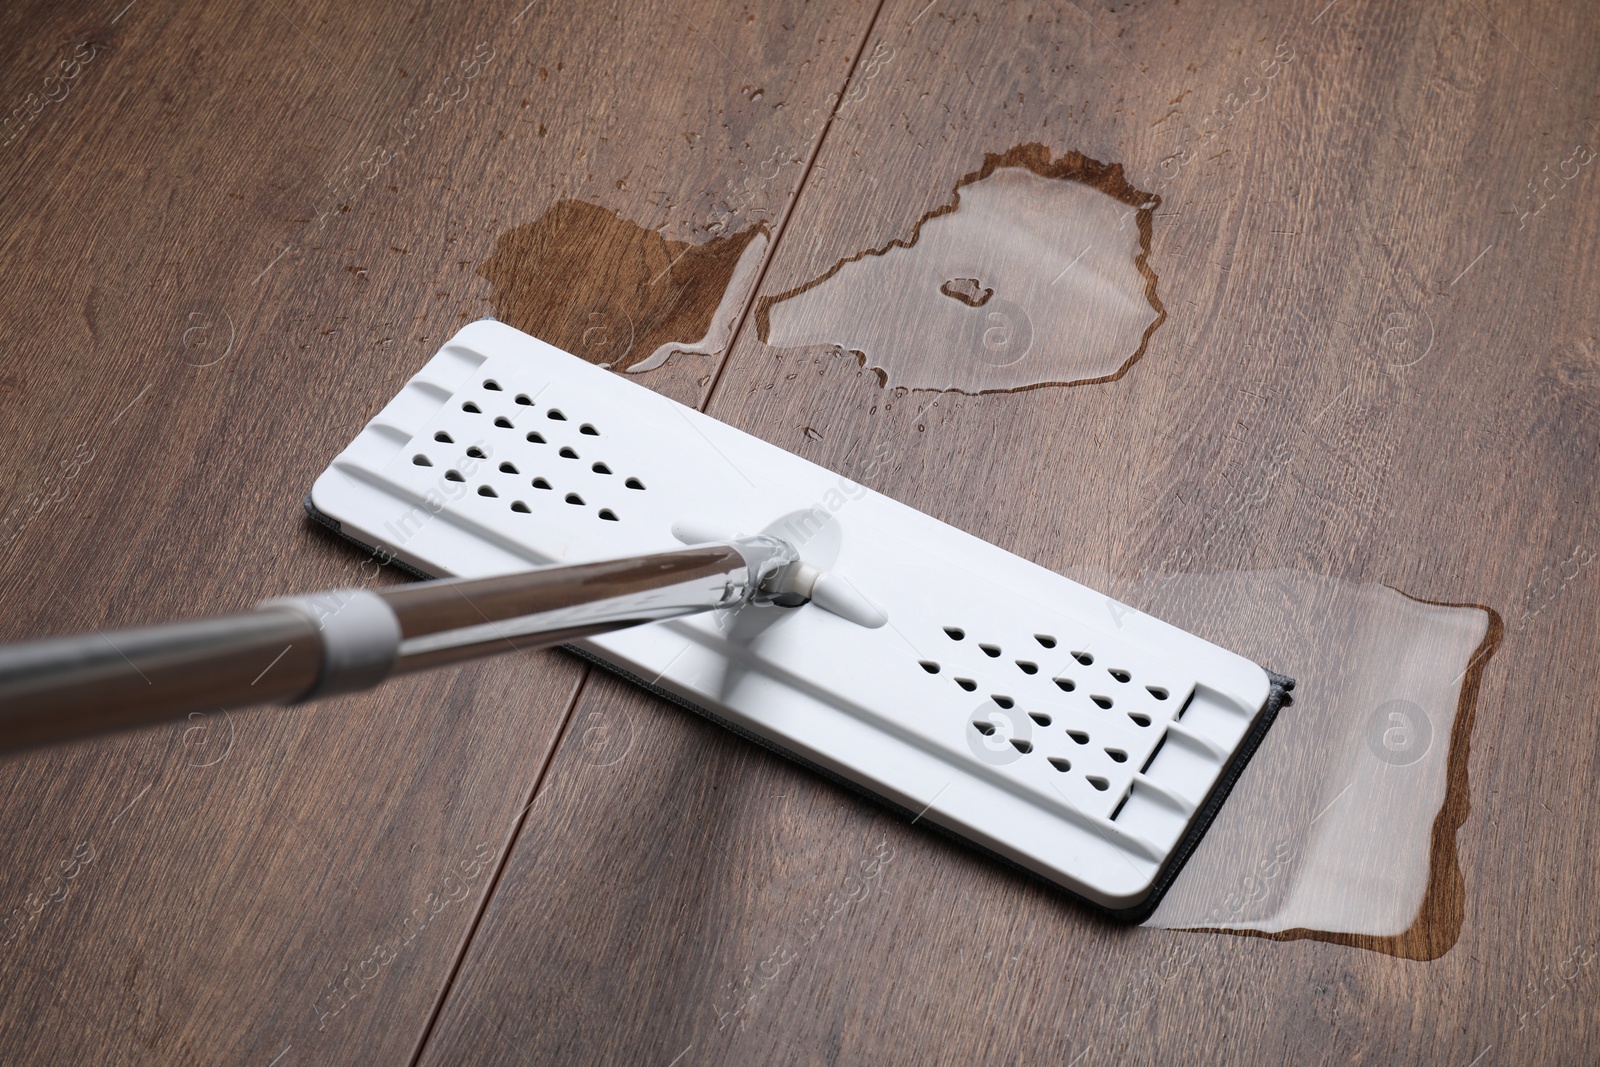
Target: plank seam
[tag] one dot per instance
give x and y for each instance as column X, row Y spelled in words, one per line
column 471, row 936
column 733, row 339
column 788, row 213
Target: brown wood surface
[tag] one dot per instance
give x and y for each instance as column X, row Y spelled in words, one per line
column 1378, row 368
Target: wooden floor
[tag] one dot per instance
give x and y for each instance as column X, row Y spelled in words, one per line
column 1358, row 442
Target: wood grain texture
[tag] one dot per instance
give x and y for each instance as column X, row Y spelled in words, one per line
column 1379, row 369
column 230, row 236
column 237, row 232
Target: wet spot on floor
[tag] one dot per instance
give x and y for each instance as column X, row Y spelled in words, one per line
column 1343, row 826
column 589, row 281
column 1035, row 273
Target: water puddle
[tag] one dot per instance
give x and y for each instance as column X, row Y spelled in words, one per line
column 1034, row 274
column 1343, row 827
column 589, row 281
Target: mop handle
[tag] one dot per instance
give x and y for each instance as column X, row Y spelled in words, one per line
column 303, row 648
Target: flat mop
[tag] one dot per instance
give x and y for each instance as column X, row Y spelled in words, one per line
column 558, row 503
